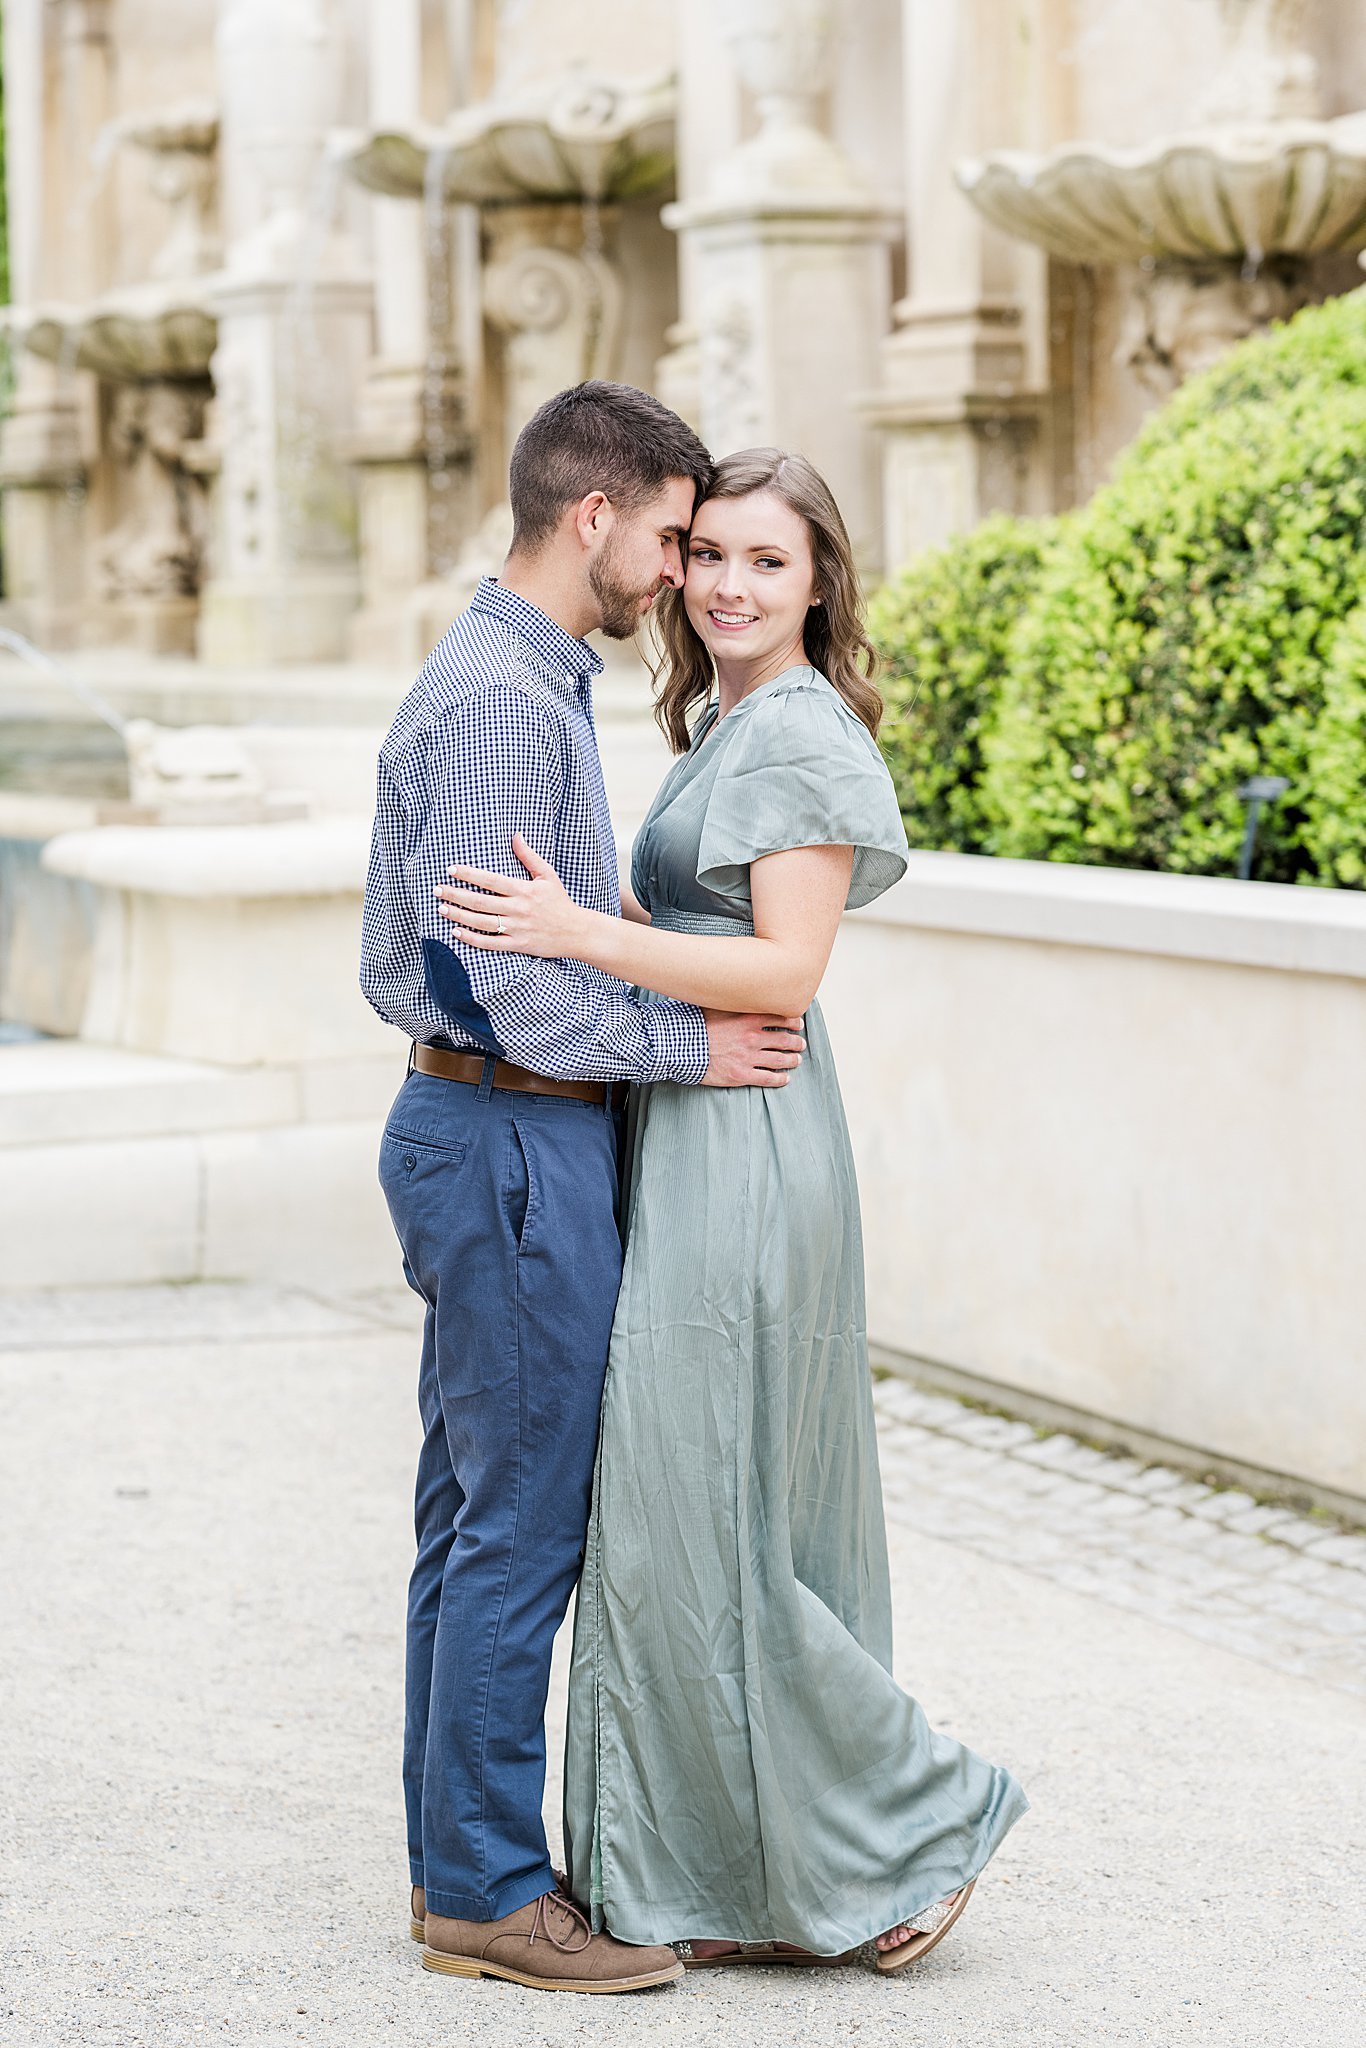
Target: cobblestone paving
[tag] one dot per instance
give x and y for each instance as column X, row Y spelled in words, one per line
column 1286, row 1589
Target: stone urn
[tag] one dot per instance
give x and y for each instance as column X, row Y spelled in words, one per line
column 783, row 51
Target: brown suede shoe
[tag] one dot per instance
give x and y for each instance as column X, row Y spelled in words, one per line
column 548, row 1945
column 417, row 1911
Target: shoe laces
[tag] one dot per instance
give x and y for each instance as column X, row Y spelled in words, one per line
column 542, row 1924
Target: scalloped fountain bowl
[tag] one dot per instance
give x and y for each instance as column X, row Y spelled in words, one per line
column 145, row 332
column 584, row 137
column 188, row 128
column 1279, row 188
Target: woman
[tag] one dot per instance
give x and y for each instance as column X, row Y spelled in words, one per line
column 741, row 1767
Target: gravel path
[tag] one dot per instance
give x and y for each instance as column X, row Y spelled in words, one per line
column 203, row 1555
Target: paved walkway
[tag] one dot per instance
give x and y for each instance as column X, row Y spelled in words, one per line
column 202, row 1558
column 1286, row 1589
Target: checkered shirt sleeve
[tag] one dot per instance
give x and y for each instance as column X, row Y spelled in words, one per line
column 491, row 764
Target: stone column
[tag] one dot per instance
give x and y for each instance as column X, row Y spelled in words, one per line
column 788, row 266
column 961, row 407
column 295, row 334
column 413, row 451
column 51, row 84
column 709, row 131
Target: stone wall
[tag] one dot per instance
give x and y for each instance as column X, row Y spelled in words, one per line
column 1108, row 1129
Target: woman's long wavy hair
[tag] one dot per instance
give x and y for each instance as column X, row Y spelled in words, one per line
column 834, row 637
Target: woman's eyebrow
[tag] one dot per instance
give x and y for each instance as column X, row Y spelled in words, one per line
column 702, row 540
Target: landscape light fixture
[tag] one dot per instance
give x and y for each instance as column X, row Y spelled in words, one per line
column 1260, row 790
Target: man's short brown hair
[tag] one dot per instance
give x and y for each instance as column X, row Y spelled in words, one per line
column 597, row 437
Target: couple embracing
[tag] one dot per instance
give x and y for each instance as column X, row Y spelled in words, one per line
column 685, row 1431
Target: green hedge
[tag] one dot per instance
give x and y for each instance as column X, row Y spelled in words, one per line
column 944, row 632
column 1095, row 688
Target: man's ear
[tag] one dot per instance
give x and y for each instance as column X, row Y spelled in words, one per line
column 594, row 518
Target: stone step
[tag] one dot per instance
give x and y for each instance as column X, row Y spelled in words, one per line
column 62, row 1091
column 120, row 1168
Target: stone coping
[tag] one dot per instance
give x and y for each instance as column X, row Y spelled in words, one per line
column 1299, row 930
column 319, row 857
column 33, row 815
column 1189, row 917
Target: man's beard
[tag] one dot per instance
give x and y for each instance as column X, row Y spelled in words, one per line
column 621, row 613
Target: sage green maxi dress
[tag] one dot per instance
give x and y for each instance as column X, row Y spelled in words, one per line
column 740, row 1763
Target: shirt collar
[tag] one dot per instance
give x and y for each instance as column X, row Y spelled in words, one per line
column 572, row 659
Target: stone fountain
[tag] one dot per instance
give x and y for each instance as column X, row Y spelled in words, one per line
column 162, row 330
column 580, row 137
column 549, row 168
column 1222, row 218
column 152, row 343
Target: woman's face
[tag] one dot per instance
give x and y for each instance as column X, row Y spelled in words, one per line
column 750, row 581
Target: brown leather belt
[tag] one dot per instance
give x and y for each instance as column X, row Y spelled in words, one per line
column 469, row 1067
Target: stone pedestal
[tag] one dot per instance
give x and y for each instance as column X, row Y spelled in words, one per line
column 390, row 457
column 792, row 300
column 961, row 407
column 43, row 478
column 413, row 451
column 787, row 262
column 287, row 576
column 961, row 429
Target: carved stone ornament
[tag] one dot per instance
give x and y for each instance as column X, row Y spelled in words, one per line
column 582, row 136
column 557, row 304
column 729, row 372
column 182, row 141
column 191, row 774
column 783, row 51
column 1267, row 73
column 157, row 549
column 1183, row 318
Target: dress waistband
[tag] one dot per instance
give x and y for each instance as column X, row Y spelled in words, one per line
column 665, row 920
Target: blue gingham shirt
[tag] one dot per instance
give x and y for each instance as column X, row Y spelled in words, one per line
column 497, row 737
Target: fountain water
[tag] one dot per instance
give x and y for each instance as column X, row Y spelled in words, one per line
column 91, row 699
column 177, row 775
column 441, row 446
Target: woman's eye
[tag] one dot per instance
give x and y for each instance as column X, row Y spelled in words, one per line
column 770, row 562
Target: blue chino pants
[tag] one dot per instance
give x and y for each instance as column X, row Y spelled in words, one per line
column 506, row 1210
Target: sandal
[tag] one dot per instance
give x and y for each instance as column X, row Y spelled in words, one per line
column 784, row 1954
column 923, row 1939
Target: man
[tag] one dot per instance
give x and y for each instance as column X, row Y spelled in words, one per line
column 499, row 1161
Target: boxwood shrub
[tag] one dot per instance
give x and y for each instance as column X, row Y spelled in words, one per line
column 944, row 630
column 1100, row 685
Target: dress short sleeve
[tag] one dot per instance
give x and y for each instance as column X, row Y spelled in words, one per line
column 803, row 771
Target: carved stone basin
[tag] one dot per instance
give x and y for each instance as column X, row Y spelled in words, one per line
column 1243, row 191
column 145, row 333
column 188, row 128
column 582, row 137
